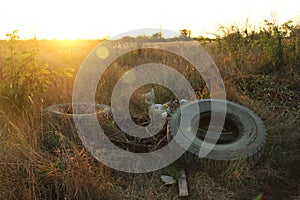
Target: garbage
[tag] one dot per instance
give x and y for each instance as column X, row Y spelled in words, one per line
column 149, row 97
column 158, row 110
column 183, row 101
column 168, row 180
column 182, row 185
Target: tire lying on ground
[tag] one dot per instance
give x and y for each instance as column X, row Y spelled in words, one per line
column 243, row 135
column 58, row 120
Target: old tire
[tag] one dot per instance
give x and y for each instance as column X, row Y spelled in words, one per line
column 58, row 121
column 245, row 142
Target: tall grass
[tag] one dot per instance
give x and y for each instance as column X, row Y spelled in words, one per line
column 269, row 48
column 31, row 169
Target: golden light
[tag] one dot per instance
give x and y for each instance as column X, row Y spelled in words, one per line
column 90, row 19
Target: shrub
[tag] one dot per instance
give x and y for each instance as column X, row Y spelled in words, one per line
column 24, row 75
column 272, row 47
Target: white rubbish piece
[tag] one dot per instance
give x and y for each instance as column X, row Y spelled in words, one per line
column 167, row 180
column 149, row 97
column 182, row 185
column 183, row 101
column 158, row 110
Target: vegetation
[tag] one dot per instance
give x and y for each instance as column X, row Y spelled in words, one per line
column 267, row 49
column 260, row 68
column 24, row 75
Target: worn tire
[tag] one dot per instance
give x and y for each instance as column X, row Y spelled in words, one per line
column 58, row 118
column 247, row 146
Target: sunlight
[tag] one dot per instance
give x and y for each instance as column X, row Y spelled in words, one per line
column 93, row 20
column 67, row 42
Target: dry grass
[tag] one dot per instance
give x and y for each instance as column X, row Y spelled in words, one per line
column 29, row 169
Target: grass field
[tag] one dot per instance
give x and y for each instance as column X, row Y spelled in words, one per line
column 259, row 71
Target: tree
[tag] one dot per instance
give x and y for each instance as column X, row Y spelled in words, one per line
column 157, row 35
column 185, row 33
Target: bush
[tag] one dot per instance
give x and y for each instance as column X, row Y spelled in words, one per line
column 24, row 75
column 270, row 48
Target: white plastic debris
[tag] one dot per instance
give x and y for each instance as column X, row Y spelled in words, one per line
column 167, row 180
column 158, row 110
column 182, row 185
column 183, row 101
column 149, row 97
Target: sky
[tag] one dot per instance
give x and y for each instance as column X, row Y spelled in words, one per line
column 95, row 19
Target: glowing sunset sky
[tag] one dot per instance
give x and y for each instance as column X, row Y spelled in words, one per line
column 91, row 19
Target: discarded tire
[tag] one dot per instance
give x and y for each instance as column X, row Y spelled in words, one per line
column 58, row 118
column 243, row 136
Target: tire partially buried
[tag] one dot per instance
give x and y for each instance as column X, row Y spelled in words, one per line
column 59, row 118
column 243, row 135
